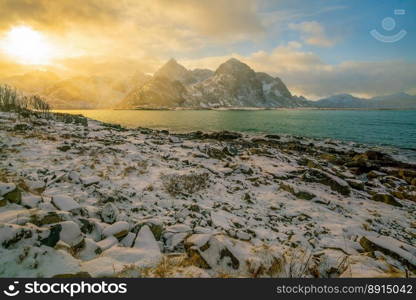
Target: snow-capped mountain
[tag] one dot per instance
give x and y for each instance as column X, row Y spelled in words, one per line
column 233, row 84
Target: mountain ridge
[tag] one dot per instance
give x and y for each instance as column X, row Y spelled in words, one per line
column 232, row 84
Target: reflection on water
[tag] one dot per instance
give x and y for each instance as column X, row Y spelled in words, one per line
column 383, row 127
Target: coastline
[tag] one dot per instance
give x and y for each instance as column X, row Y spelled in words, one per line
column 103, row 200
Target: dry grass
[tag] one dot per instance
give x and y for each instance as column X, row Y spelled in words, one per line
column 186, row 184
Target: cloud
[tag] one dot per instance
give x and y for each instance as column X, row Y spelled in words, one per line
column 136, row 28
column 313, row 33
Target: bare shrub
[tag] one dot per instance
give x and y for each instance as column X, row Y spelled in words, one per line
column 185, row 184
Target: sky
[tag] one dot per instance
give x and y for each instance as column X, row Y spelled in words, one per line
column 318, row 48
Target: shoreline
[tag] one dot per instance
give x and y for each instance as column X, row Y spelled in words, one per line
column 103, row 200
column 239, row 109
column 394, row 150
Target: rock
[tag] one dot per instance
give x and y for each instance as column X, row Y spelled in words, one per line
column 356, row 184
column 241, row 235
column 174, row 139
column 65, row 203
column 31, row 201
column 156, row 227
column 10, row 192
column 177, row 228
column 21, row 127
column 75, row 275
column 109, row 213
column 230, row 150
column 54, row 236
column 3, row 202
column 244, row 169
column 298, row 193
column 175, row 235
column 215, row 153
column 335, row 183
column 74, row 176
column 115, row 260
column 64, row 148
column 118, row 230
column 41, row 218
column 174, row 241
column 107, row 243
column 230, row 256
column 87, row 181
column 386, row 198
column 375, row 174
column 86, row 225
column 272, row 136
column 12, row 235
column 71, row 234
column 146, row 241
column 400, row 251
column 90, row 250
column 128, row 240
column 6, row 188
column 223, row 135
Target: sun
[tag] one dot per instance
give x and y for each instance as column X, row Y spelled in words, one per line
column 27, row 46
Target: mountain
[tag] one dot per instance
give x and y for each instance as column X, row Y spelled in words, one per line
column 77, row 91
column 32, row 82
column 341, row 101
column 394, row 101
column 399, row 100
column 159, row 92
column 233, row 84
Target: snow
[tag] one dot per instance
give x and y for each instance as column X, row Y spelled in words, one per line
column 107, row 243
column 6, row 188
column 116, row 228
column 146, row 241
column 111, row 185
column 65, row 203
column 70, row 233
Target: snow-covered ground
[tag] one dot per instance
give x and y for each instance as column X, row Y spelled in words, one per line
column 100, row 200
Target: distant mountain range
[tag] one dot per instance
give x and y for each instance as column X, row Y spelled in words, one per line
column 232, row 84
column 394, row 101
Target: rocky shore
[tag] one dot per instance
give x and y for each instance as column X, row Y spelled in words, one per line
column 83, row 198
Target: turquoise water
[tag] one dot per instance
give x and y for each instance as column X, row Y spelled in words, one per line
column 380, row 127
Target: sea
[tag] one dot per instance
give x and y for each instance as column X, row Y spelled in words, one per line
column 395, row 129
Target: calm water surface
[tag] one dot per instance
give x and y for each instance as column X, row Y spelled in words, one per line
column 379, row 127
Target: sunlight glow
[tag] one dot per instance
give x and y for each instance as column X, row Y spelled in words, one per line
column 27, row 46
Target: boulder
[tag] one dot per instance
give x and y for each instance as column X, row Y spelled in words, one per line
column 223, row 135
column 404, row 253
column 107, row 243
column 90, row 250
column 297, row 192
column 386, row 198
column 145, row 240
column 229, row 256
column 71, row 234
column 10, row 192
column 87, row 181
column 12, row 235
column 31, row 201
column 156, row 227
column 117, row 229
column 109, row 213
column 65, row 203
column 335, row 183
